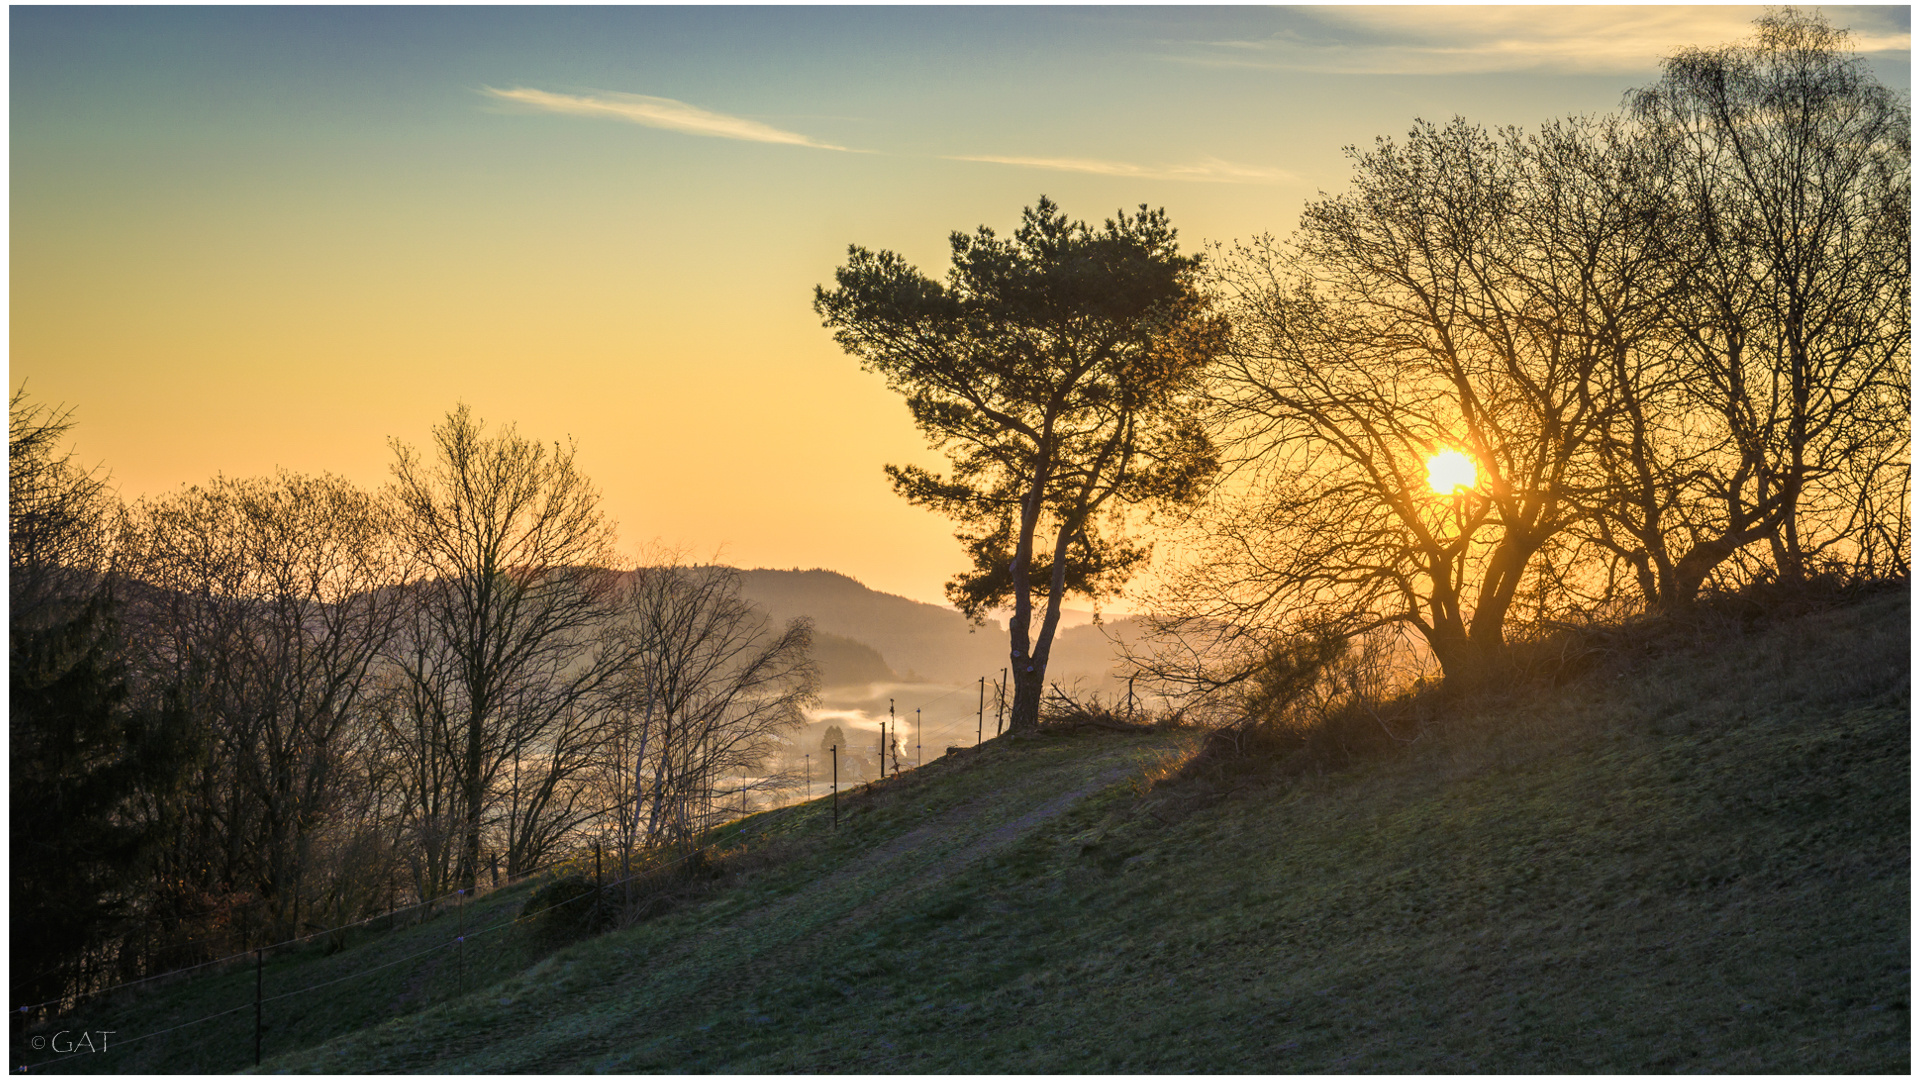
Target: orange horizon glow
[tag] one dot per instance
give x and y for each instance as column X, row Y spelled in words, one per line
column 303, row 236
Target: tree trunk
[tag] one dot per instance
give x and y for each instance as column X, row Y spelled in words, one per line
column 1455, row 651
column 1692, row 570
column 1030, row 671
column 468, row 866
column 1028, row 681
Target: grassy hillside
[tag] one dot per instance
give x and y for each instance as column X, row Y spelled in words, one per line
column 1696, row 859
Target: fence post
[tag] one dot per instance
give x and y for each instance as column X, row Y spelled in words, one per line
column 836, row 784
column 980, row 719
column 259, row 976
column 460, row 948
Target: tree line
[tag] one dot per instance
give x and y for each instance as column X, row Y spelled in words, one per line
column 1669, row 347
column 253, row 707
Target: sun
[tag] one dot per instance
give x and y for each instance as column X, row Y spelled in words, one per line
column 1450, row 472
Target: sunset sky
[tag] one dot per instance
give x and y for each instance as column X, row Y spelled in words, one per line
column 249, row 238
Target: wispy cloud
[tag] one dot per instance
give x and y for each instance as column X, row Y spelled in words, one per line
column 656, row 112
column 679, row 116
column 1369, row 40
column 1207, row 170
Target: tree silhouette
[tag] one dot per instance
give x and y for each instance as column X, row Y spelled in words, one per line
column 1438, row 307
column 1058, row 370
column 264, row 604
column 84, row 759
column 1794, row 338
column 1663, row 339
column 833, row 737
column 707, row 687
column 517, row 583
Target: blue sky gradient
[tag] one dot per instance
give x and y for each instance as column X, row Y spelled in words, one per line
column 245, row 238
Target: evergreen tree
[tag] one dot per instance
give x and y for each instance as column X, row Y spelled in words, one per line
column 833, row 737
column 79, row 754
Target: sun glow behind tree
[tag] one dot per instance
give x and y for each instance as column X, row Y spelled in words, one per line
column 1450, row 472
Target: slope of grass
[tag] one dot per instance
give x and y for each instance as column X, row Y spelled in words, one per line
column 204, row 1021
column 1695, row 860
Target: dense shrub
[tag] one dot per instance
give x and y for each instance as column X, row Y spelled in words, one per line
column 571, row 907
column 1312, row 702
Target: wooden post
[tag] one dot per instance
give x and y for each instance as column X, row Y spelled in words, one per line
column 259, row 980
column 460, row 948
column 919, row 748
column 1000, row 713
column 836, row 784
column 980, row 719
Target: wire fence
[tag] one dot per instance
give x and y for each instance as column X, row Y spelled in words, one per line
column 259, row 903
column 67, row 1002
column 391, row 914
column 600, row 892
column 258, row 953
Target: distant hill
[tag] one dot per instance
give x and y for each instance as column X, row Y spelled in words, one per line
column 917, row 641
column 846, row 662
column 1090, row 654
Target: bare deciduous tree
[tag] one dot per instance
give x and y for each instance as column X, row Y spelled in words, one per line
column 265, row 603
column 516, row 574
column 1664, row 341
column 708, row 688
column 1794, row 337
column 1454, row 300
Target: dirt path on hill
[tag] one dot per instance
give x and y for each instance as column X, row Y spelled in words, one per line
column 945, row 848
column 814, row 925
